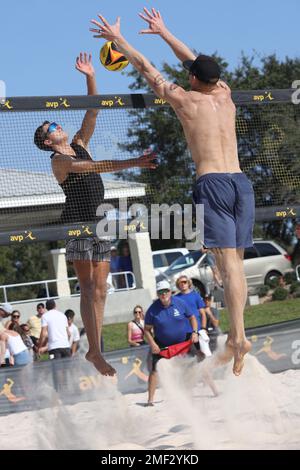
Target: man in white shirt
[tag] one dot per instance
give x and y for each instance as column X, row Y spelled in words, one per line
column 55, row 326
column 74, row 332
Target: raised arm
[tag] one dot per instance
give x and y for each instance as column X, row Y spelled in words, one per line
column 84, row 65
column 65, row 164
column 157, row 26
column 172, row 93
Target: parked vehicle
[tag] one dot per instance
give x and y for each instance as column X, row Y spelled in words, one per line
column 162, row 259
column 263, row 262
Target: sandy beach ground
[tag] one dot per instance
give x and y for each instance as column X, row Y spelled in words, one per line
column 257, row 410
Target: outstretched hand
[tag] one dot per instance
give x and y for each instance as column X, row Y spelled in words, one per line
column 148, row 160
column 84, row 64
column 154, row 20
column 106, row 30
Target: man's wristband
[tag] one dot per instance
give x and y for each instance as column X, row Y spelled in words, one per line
column 195, row 331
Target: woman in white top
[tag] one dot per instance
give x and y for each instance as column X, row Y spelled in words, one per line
column 16, row 347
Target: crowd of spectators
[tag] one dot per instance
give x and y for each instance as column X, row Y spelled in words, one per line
column 172, row 319
column 47, row 334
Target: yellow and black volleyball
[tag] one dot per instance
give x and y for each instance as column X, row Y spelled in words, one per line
column 111, row 58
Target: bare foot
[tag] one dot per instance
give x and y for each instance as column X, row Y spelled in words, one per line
column 100, row 364
column 239, row 353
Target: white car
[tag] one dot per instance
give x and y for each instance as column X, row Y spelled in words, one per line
column 162, row 259
column 263, row 262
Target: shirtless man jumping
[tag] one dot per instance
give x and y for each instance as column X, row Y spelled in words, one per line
column 207, row 114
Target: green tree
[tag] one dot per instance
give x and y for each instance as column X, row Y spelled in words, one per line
column 20, row 264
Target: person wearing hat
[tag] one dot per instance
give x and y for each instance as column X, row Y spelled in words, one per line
column 169, row 319
column 208, row 117
column 5, row 311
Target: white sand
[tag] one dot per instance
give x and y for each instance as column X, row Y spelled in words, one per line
column 255, row 411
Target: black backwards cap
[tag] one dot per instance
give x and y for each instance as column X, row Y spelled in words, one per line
column 204, row 67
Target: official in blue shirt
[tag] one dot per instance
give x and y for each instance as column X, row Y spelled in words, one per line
column 193, row 299
column 167, row 318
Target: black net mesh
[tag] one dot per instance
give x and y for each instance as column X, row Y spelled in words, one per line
column 31, row 198
column 269, row 152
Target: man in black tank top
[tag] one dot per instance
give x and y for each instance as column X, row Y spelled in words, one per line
column 79, row 177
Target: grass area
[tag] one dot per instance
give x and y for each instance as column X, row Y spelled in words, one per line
column 266, row 314
column 115, row 336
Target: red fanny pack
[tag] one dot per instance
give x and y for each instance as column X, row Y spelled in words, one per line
column 176, row 349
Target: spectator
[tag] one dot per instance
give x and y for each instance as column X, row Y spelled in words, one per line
column 35, row 323
column 167, row 318
column 192, row 298
column 5, row 311
column 136, row 328
column 74, row 332
column 115, row 266
column 55, row 326
column 213, row 320
column 25, row 334
column 195, row 305
column 15, row 319
column 115, row 260
column 14, row 343
column 125, row 264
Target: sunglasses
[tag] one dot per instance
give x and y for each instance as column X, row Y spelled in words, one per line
column 138, row 311
column 163, row 291
column 16, row 316
column 52, row 127
column 183, row 282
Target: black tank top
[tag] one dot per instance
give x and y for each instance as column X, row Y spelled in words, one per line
column 84, row 192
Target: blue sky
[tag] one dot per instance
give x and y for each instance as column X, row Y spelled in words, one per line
column 40, row 40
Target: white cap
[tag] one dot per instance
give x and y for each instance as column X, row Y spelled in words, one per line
column 7, row 308
column 113, row 248
column 162, row 285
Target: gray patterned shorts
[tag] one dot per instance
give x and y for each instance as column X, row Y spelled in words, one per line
column 88, row 249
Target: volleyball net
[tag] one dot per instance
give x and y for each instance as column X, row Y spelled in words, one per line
column 32, row 202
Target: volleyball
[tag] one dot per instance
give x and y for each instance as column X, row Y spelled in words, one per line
column 111, row 58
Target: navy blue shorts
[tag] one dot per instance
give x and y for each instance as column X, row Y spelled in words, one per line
column 229, row 206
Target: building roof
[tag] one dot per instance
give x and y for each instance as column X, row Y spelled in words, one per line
column 21, row 188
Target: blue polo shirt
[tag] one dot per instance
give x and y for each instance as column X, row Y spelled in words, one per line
column 115, row 264
column 170, row 324
column 194, row 301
